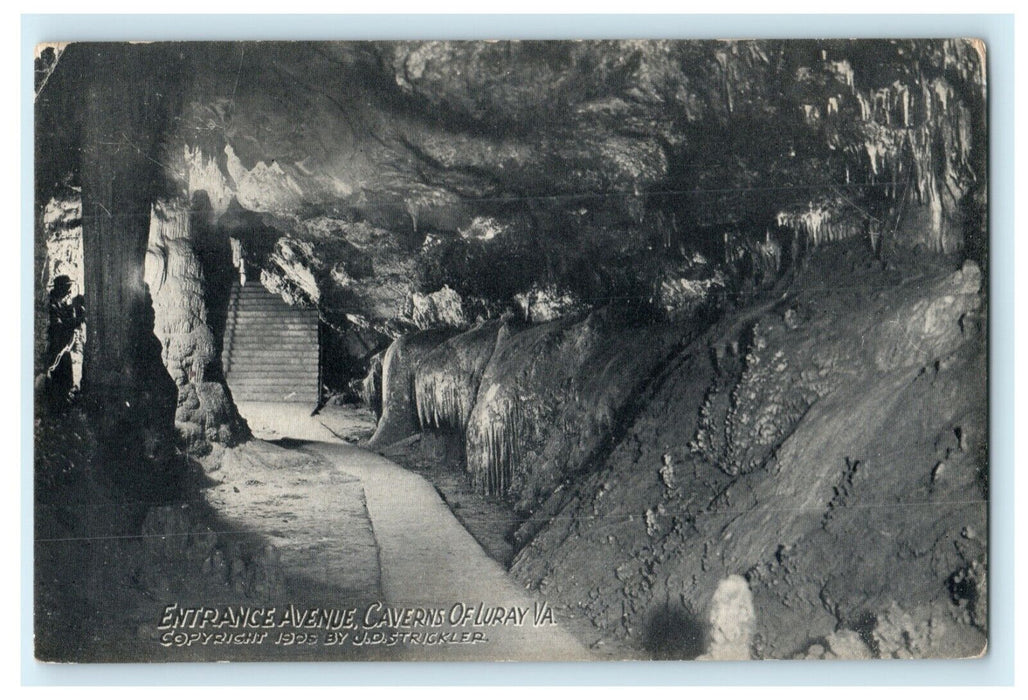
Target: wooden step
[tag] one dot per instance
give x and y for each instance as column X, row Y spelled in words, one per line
column 274, row 358
column 286, row 387
column 290, row 373
column 255, row 330
column 270, row 310
column 257, row 316
column 275, row 334
column 250, row 350
column 276, row 395
column 270, row 348
column 274, row 309
column 269, row 369
column 273, row 339
column 265, row 379
column 273, row 361
column 273, row 388
column 291, row 378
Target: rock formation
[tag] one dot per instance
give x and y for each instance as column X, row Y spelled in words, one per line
column 731, row 621
column 692, row 310
column 550, row 397
column 399, row 418
column 562, row 174
column 815, row 501
column 205, row 413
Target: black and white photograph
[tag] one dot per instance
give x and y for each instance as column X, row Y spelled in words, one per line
column 514, row 350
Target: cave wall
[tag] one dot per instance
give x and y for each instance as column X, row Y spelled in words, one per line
column 524, row 408
column 62, row 256
column 802, row 443
column 40, row 289
column 828, row 466
column 551, row 396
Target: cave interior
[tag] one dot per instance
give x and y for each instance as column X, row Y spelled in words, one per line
column 720, row 305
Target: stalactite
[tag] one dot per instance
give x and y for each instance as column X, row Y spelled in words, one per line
column 446, row 381
column 726, row 78
column 844, row 71
column 914, row 126
column 494, row 467
column 400, row 364
column 822, row 222
column 440, row 403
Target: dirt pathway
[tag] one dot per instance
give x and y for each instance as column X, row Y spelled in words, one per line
column 312, row 512
column 426, row 558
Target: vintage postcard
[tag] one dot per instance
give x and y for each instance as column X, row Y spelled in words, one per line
column 513, row 350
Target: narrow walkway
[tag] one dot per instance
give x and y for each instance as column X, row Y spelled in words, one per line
column 301, row 504
column 426, row 557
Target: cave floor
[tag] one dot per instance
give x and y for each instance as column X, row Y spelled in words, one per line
column 425, row 557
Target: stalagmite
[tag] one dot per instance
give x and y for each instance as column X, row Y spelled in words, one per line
column 204, row 413
column 731, row 621
column 125, row 387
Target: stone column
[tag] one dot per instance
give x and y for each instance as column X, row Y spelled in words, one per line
column 124, row 384
column 205, row 413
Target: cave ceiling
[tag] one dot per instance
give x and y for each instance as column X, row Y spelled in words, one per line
column 623, row 146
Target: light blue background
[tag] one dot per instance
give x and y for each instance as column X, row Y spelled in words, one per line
column 996, row 668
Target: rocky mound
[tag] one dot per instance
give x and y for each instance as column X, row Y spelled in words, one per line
column 830, row 449
column 826, row 447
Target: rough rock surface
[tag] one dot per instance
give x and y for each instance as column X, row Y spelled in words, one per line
column 440, row 308
column 550, row 399
column 399, row 413
column 882, row 472
column 446, row 381
column 205, row 413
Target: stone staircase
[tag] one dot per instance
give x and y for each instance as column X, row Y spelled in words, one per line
column 271, row 348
